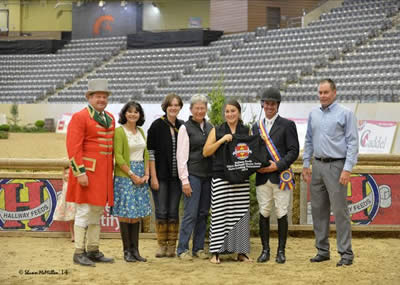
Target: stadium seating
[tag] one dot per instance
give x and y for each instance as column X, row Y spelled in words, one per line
column 356, row 44
column 138, row 72
column 365, row 73
column 29, row 78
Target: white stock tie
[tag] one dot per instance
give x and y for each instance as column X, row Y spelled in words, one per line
column 269, row 125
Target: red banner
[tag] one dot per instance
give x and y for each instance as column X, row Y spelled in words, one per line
column 29, row 204
column 373, row 199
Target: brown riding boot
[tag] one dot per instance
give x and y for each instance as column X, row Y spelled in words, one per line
column 162, row 231
column 173, row 228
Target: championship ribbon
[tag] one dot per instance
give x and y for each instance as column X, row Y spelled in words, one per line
column 286, row 176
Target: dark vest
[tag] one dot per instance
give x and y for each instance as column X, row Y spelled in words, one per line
column 218, row 157
column 198, row 164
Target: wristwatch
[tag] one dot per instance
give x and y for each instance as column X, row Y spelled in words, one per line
column 130, row 173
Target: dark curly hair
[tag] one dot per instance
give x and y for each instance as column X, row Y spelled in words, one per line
column 131, row 104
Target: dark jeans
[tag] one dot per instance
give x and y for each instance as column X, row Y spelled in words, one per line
column 166, row 199
column 196, row 208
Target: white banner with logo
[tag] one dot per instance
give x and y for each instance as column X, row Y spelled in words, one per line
column 62, row 124
column 376, row 136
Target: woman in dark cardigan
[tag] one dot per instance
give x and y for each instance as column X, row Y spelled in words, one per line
column 165, row 184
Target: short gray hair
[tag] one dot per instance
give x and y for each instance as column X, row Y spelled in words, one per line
column 198, row 99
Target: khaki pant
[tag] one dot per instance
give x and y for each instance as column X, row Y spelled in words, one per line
column 269, row 194
column 87, row 214
column 87, row 227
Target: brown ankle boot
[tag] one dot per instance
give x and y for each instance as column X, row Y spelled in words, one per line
column 162, row 231
column 173, row 228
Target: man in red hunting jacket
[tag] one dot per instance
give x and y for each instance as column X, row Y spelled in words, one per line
column 90, row 150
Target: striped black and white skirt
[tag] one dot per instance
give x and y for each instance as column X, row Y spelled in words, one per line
column 230, row 217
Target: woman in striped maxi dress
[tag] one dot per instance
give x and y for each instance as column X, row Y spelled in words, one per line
column 230, row 203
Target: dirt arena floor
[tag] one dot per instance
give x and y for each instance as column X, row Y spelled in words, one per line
column 31, row 260
column 38, row 145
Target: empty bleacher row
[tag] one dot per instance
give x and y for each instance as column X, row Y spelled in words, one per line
column 139, row 71
column 28, row 78
column 371, row 74
column 366, row 73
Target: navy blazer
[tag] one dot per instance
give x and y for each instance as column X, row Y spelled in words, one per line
column 284, row 135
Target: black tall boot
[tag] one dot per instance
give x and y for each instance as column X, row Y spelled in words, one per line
column 264, row 234
column 134, row 230
column 282, row 237
column 125, row 235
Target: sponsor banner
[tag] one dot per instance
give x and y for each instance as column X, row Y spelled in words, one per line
column 109, row 224
column 112, row 19
column 29, row 204
column 376, row 136
column 62, row 124
column 372, row 199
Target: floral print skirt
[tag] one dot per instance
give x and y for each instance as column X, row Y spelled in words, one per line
column 130, row 200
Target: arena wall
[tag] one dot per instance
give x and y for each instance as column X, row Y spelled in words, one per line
column 258, row 11
column 175, row 14
column 229, row 16
column 14, row 17
column 39, row 17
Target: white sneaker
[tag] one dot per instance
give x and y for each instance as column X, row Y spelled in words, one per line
column 185, row 256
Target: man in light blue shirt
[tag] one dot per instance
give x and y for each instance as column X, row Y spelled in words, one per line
column 332, row 138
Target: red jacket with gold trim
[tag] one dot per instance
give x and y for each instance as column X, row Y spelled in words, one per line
column 90, row 150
